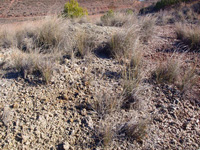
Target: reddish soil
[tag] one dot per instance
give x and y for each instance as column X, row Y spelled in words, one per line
column 27, row 8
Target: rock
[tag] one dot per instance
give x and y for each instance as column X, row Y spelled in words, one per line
column 89, row 122
column 15, row 105
column 84, row 112
column 7, row 115
column 66, row 145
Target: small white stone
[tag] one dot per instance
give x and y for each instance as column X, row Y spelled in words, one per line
column 66, row 145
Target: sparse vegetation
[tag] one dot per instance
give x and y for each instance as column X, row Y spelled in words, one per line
column 182, row 14
column 172, row 72
column 117, row 19
column 6, row 37
column 167, row 72
column 124, row 43
column 147, row 24
column 189, row 35
column 32, row 63
column 188, row 80
column 135, row 130
column 84, row 44
column 132, row 77
column 48, row 34
column 105, row 103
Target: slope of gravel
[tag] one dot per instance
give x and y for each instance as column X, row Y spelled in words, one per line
column 61, row 115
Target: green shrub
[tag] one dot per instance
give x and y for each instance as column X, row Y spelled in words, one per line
column 165, row 3
column 72, row 10
column 129, row 12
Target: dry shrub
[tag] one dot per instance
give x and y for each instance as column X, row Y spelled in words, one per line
column 81, row 20
column 146, row 24
column 135, row 130
column 104, row 134
column 6, row 36
column 32, row 63
column 173, row 71
column 84, row 44
column 124, row 43
column 195, row 7
column 107, row 136
column 189, row 35
column 54, row 32
column 105, row 103
column 117, row 19
column 132, row 74
column 46, row 70
column 167, row 72
column 46, row 34
column 181, row 14
column 188, row 80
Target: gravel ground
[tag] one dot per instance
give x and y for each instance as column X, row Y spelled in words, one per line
column 61, row 115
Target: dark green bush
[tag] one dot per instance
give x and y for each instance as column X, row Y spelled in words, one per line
column 196, row 7
column 165, row 3
column 73, row 10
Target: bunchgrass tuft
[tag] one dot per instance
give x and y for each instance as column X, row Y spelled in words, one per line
column 189, row 35
column 167, row 72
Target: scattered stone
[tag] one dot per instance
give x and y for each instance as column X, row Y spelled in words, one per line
column 7, row 115
column 66, row 145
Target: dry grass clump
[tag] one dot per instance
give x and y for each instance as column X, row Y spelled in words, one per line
column 135, row 130
column 54, row 32
column 147, row 24
column 84, row 44
column 115, row 130
column 32, row 63
column 188, row 79
column 173, row 71
column 46, row 34
column 6, row 37
column 81, row 20
column 105, row 103
column 117, row 19
column 104, row 133
column 167, row 72
column 38, row 45
column 183, row 13
column 189, row 35
column 132, row 73
column 132, row 77
column 124, row 43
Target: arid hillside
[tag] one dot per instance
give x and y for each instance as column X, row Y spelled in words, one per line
column 23, row 8
column 121, row 80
